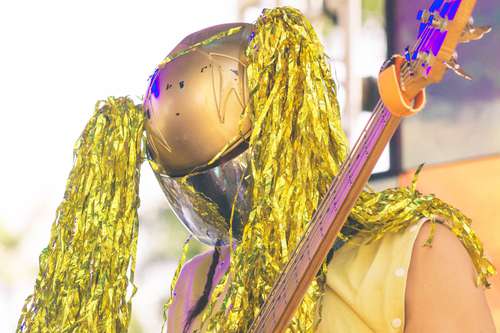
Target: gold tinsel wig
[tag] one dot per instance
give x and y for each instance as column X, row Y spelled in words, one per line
column 85, row 280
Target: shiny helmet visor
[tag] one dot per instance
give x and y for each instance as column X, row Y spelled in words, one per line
column 197, row 131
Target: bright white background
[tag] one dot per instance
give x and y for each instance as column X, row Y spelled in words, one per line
column 56, row 59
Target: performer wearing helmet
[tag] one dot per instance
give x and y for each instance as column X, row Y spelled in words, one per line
column 199, row 136
column 243, row 133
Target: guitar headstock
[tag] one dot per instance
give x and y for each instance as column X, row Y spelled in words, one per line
column 442, row 26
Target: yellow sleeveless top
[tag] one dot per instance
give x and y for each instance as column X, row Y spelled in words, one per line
column 365, row 286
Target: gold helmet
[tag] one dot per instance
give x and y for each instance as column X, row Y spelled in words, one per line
column 214, row 157
column 197, row 130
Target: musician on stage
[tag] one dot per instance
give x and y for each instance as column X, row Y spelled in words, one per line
column 391, row 278
column 244, row 135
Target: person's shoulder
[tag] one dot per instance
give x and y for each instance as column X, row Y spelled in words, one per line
column 441, row 293
column 444, row 256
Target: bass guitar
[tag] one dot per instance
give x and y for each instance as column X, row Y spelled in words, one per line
column 402, row 82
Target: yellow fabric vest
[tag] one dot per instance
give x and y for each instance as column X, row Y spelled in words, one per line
column 365, row 286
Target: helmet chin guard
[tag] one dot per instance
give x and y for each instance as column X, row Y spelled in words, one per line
column 196, row 129
column 204, row 201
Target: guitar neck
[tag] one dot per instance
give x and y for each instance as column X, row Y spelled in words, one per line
column 441, row 27
column 326, row 223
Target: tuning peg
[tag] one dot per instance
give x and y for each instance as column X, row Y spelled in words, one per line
column 455, row 66
column 472, row 33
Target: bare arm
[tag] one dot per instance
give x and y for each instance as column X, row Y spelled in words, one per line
column 441, row 294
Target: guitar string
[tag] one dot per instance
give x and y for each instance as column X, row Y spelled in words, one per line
column 295, row 258
column 322, row 210
column 312, row 228
column 413, row 64
column 319, row 215
column 409, row 70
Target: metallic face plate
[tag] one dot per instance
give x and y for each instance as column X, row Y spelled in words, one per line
column 203, row 202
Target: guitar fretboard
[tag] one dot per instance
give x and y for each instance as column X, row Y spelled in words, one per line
column 326, row 223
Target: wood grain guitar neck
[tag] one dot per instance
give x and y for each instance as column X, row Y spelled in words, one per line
column 328, row 220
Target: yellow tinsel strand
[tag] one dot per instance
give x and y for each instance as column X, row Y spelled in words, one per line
column 185, row 250
column 393, row 210
column 86, row 276
column 298, row 146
